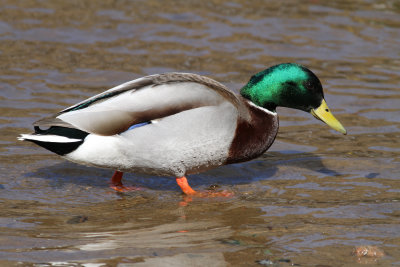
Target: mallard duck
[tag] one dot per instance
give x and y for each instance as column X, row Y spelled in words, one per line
column 176, row 124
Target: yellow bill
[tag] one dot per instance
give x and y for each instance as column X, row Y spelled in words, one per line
column 323, row 113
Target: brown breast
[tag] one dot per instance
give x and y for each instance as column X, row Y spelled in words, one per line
column 254, row 134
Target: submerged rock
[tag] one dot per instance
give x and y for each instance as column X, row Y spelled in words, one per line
column 368, row 251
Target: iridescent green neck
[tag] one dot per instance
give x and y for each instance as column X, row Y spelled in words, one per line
column 288, row 85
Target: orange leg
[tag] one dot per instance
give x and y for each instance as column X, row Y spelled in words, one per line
column 116, row 183
column 183, row 184
column 117, row 178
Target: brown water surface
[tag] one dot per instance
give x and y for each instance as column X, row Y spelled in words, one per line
column 309, row 201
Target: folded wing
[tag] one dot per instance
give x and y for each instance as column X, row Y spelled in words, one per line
column 142, row 100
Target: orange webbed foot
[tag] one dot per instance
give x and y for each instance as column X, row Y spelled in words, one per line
column 116, row 183
column 123, row 188
column 190, row 193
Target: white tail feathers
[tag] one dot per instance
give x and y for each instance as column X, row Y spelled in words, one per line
column 48, row 138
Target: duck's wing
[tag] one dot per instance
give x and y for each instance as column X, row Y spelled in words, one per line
column 141, row 100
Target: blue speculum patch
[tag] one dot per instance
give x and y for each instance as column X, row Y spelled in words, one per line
column 138, row 125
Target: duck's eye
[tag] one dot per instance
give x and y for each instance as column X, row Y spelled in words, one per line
column 309, row 85
column 327, row 110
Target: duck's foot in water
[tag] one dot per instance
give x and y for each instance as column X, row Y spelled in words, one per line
column 116, row 183
column 190, row 193
column 123, row 188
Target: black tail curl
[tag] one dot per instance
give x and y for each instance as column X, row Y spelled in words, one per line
column 60, row 148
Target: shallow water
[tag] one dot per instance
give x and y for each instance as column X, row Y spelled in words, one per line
column 310, row 200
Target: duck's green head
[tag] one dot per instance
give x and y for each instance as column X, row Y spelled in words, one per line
column 293, row 86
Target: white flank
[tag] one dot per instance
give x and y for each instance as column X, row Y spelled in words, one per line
column 48, row 138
